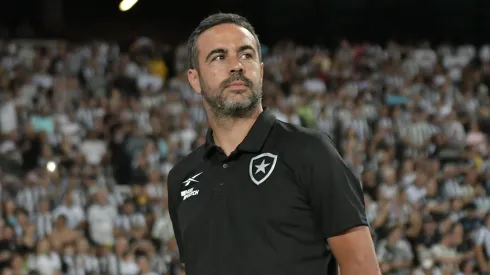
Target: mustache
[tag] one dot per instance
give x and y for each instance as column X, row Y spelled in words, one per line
column 236, row 77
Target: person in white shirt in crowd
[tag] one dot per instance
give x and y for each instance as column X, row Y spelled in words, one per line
column 123, row 261
column 416, row 191
column 93, row 149
column 74, row 212
column 45, row 260
column 101, row 218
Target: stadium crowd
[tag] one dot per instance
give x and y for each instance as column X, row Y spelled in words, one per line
column 89, row 134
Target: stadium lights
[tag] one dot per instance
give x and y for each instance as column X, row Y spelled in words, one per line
column 126, row 5
column 51, row 166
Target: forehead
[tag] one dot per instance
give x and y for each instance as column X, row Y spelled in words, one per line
column 225, row 36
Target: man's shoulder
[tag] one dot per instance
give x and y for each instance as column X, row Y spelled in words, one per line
column 293, row 131
column 303, row 141
column 186, row 165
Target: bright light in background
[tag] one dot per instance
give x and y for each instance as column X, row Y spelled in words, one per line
column 51, row 166
column 126, row 5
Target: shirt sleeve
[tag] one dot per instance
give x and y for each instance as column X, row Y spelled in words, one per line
column 334, row 192
column 480, row 236
column 173, row 206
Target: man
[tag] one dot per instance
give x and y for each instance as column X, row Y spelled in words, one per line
column 249, row 201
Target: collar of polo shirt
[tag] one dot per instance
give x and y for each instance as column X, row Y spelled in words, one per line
column 254, row 140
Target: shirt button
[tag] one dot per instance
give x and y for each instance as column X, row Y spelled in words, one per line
column 225, row 165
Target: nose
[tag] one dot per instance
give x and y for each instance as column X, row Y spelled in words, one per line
column 235, row 65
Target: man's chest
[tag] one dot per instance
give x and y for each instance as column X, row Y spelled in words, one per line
column 253, row 189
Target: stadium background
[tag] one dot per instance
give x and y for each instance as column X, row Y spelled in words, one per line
column 318, row 22
column 373, row 20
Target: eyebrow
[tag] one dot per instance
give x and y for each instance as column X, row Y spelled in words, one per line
column 245, row 48
column 216, row 51
column 225, row 51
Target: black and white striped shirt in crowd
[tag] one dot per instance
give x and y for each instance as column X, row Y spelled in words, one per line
column 453, row 188
column 28, row 198
column 189, row 98
column 81, row 265
column 418, row 133
column 361, row 126
column 104, row 265
column 142, row 120
column 158, row 265
column 155, row 190
column 127, row 222
column 44, row 224
column 387, row 123
column 482, row 237
column 198, row 114
column 80, row 196
column 110, row 265
column 86, row 117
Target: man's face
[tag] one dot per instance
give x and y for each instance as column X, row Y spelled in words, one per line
column 230, row 73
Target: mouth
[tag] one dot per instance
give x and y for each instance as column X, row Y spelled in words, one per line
column 237, row 85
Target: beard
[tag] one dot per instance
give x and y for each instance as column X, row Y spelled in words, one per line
column 231, row 108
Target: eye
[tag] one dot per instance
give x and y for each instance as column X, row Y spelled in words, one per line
column 246, row 56
column 219, row 57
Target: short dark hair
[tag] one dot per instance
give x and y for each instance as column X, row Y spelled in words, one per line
column 211, row 21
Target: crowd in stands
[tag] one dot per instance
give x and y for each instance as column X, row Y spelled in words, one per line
column 89, row 133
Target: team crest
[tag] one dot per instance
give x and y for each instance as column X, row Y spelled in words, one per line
column 261, row 167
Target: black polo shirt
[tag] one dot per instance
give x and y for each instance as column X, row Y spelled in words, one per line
column 268, row 208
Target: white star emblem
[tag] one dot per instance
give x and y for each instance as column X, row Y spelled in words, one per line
column 261, row 167
column 267, row 161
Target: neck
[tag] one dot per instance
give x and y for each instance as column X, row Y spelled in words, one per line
column 392, row 242
column 446, row 242
column 228, row 133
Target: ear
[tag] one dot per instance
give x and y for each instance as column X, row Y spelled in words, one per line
column 262, row 71
column 193, row 77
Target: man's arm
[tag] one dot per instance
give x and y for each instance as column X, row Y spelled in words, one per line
column 337, row 200
column 480, row 257
column 354, row 252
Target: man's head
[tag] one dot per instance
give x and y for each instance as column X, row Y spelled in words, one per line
column 226, row 65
